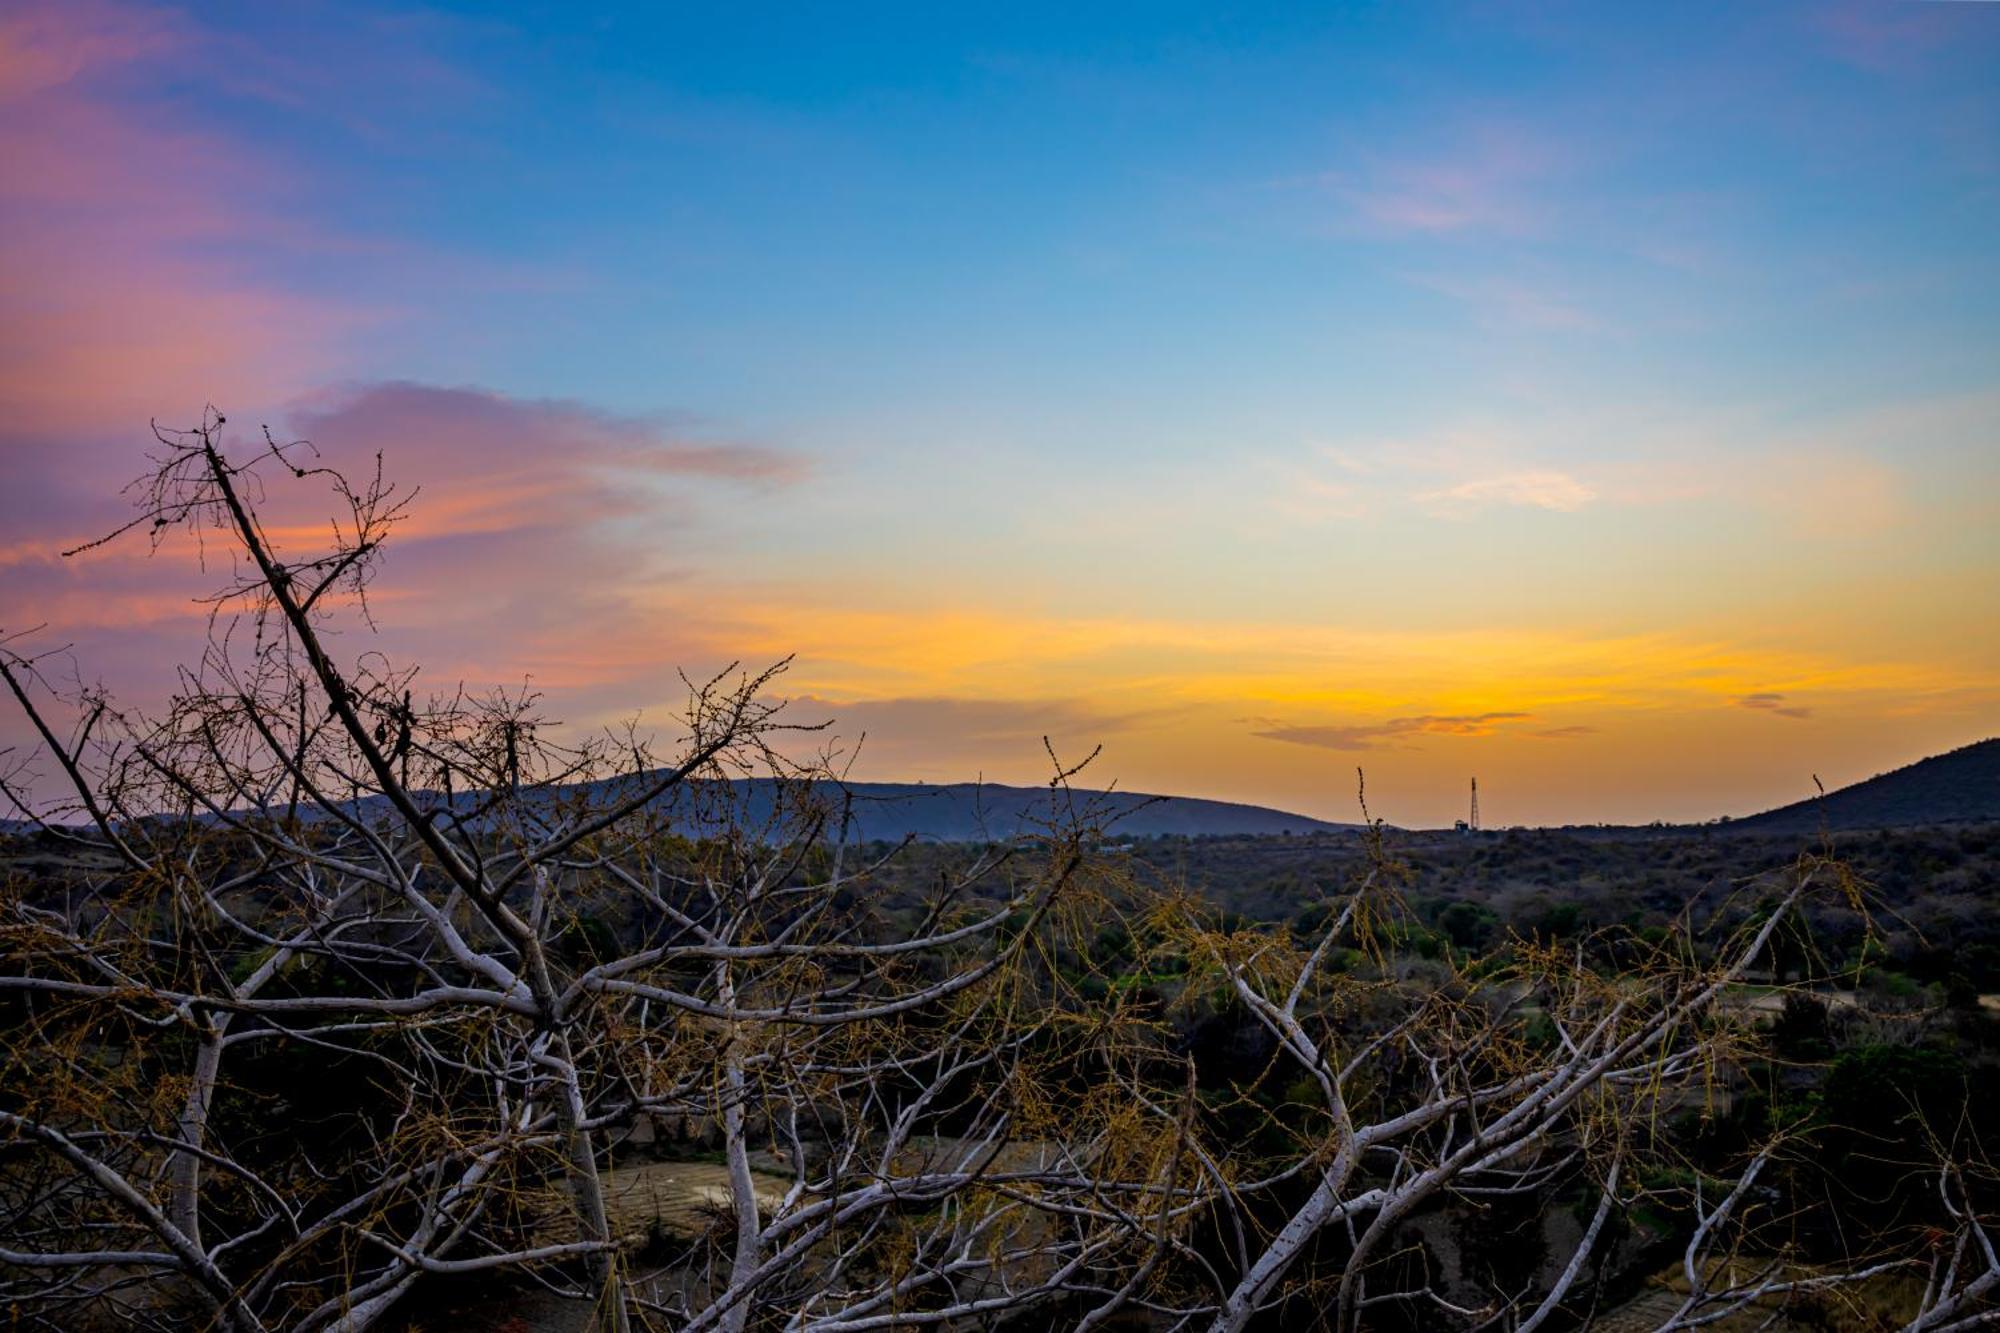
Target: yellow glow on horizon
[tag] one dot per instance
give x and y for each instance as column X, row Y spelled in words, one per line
column 866, row 653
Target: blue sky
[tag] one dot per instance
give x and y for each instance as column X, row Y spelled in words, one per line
column 797, row 206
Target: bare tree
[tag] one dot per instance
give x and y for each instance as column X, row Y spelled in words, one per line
column 301, row 853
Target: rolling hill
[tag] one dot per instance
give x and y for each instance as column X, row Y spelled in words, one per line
column 967, row 811
column 1960, row 786
column 973, row 812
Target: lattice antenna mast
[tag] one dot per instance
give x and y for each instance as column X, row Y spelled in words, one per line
column 1473, row 821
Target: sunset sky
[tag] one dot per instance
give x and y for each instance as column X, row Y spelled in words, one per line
column 1601, row 400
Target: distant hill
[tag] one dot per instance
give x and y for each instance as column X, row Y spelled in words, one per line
column 965, row 811
column 1961, row 786
column 975, row 812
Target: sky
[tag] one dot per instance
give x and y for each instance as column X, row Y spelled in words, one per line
column 1602, row 401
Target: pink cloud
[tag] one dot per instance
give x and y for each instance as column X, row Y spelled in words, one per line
column 45, row 45
column 116, row 292
column 499, row 461
column 547, row 540
column 116, row 299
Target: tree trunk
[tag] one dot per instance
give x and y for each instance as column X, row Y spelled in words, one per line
column 184, row 1197
column 587, row 1195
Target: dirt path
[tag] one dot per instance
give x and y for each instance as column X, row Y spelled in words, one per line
column 685, row 1197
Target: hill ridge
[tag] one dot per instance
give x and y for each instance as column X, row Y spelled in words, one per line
column 946, row 812
column 1958, row 786
column 978, row 811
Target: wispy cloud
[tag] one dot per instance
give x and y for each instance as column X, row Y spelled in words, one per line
column 1547, row 489
column 1453, row 473
column 45, row 45
column 1383, row 735
column 486, row 441
column 1767, row 702
column 1491, row 178
column 1842, row 477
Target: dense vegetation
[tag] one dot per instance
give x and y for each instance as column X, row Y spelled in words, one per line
column 1932, row 891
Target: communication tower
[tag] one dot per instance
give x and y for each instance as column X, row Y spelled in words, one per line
column 1470, row 824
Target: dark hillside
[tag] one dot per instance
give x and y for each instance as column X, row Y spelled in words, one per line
column 1962, row 786
column 966, row 811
